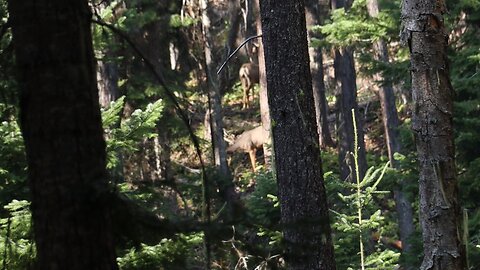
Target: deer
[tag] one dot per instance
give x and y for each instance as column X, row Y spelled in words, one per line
column 249, row 76
column 249, row 141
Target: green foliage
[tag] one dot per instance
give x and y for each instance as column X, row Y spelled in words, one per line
column 351, row 229
column 125, row 136
column 262, row 204
column 355, row 27
column 16, row 247
column 13, row 164
column 176, row 21
column 168, row 254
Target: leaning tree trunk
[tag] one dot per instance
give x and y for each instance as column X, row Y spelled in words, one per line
column 304, row 210
column 62, row 129
column 346, row 101
column 391, row 125
column 316, row 12
column 424, row 31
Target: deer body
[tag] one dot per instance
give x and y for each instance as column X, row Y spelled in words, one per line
column 248, row 77
column 249, row 141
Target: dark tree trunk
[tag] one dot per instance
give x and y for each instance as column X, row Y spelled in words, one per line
column 346, row 101
column 391, row 124
column 440, row 217
column 264, row 110
column 304, row 210
column 61, row 125
column 316, row 11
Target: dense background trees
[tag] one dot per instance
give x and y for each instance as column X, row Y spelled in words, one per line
column 169, row 209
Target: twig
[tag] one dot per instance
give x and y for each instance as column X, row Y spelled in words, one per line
column 236, row 50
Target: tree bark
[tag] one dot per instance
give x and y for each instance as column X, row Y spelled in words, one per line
column 62, row 130
column 316, row 10
column 262, row 79
column 391, row 124
column 345, row 77
column 225, row 183
column 440, row 217
column 304, row 210
column 107, row 77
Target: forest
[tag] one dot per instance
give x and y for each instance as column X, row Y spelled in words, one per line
column 240, row 134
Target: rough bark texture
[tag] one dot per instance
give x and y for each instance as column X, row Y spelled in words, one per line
column 391, row 124
column 304, row 210
column 61, row 125
column 316, row 11
column 346, row 101
column 264, row 110
column 424, row 31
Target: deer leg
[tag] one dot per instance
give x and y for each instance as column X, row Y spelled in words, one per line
column 245, row 97
column 253, row 158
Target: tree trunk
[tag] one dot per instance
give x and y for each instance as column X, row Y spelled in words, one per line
column 346, row 101
column 61, row 126
column 107, row 77
column 216, row 118
column 264, row 110
column 316, row 11
column 304, row 210
column 226, row 186
column 391, row 124
column 424, row 31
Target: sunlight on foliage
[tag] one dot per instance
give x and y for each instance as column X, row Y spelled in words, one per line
column 124, row 135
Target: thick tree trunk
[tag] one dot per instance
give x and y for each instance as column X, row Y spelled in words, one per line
column 61, row 125
column 264, row 110
column 304, row 210
column 391, row 124
column 316, row 11
column 424, row 31
column 346, row 101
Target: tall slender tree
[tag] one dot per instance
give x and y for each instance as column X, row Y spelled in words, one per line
column 225, row 183
column 391, row 124
column 304, row 210
column 61, row 126
column 264, row 109
column 345, row 77
column 316, row 11
column 423, row 29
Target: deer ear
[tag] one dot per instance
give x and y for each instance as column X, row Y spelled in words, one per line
column 255, row 48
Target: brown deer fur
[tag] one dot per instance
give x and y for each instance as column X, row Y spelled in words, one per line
column 249, row 77
column 249, row 141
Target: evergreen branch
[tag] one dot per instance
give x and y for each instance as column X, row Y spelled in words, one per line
column 4, row 28
column 181, row 113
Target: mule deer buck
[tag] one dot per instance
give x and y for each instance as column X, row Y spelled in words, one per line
column 249, row 141
column 249, row 77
